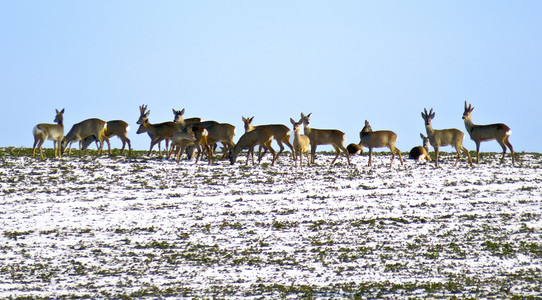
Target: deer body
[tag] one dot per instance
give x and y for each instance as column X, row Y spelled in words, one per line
column 157, row 132
column 55, row 132
column 354, row 149
column 420, row 153
column 324, row 137
column 376, row 139
column 280, row 132
column 219, row 133
column 302, row 143
column 117, row 128
column 444, row 137
column 84, row 129
column 482, row 133
column 250, row 139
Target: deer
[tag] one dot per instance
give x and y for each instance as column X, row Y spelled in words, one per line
column 444, row 137
column 219, row 132
column 301, row 143
column 259, row 136
column 190, row 125
column 354, row 149
column 84, row 129
column 281, row 134
column 420, row 153
column 191, row 136
column 55, row 132
column 117, row 128
column 157, row 132
column 376, row 139
column 483, row 133
column 324, row 137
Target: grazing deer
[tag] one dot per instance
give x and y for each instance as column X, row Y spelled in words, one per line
column 157, row 132
column 259, row 136
column 421, row 153
column 281, row 134
column 301, row 144
column 354, row 149
column 376, row 139
column 84, row 129
column 181, row 140
column 482, row 133
column 324, row 137
column 191, row 136
column 55, row 132
column 114, row 128
column 444, row 137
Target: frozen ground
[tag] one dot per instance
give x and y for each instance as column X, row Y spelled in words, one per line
column 117, row 228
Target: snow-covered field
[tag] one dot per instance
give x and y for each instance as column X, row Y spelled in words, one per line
column 118, row 228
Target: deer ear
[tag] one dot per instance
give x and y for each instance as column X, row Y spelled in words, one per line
column 366, row 122
column 182, row 112
column 292, row 121
column 421, row 135
column 432, row 115
column 309, row 115
column 62, row 111
column 250, row 120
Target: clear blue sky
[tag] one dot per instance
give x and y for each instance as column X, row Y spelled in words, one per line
column 344, row 61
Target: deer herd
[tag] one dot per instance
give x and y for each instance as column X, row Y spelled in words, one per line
column 193, row 134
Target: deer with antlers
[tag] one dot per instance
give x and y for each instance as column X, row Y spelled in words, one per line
column 157, row 132
column 483, row 133
column 444, row 137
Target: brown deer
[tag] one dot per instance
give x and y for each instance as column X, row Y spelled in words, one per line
column 259, row 136
column 157, row 132
column 190, row 125
column 482, row 133
column 302, row 143
column 444, row 137
column 376, row 139
column 354, row 149
column 84, row 129
column 420, row 153
column 55, row 132
column 117, row 128
column 281, row 134
column 219, row 133
column 324, row 137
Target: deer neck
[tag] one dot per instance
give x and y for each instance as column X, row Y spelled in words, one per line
column 468, row 124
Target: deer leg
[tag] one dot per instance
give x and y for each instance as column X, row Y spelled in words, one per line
column 478, row 152
column 468, row 154
column 345, row 152
column 336, row 155
column 370, row 156
column 436, row 156
column 507, row 142
column 313, row 152
column 291, row 148
column 399, row 154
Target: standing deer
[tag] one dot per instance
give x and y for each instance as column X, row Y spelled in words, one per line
column 117, row 128
column 420, row 153
column 324, row 137
column 281, row 134
column 190, row 125
column 259, row 136
column 301, row 143
column 376, row 139
column 84, row 129
column 157, row 132
column 444, row 137
column 482, row 133
column 219, row 132
column 55, row 132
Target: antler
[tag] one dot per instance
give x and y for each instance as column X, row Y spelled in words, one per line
column 142, row 109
